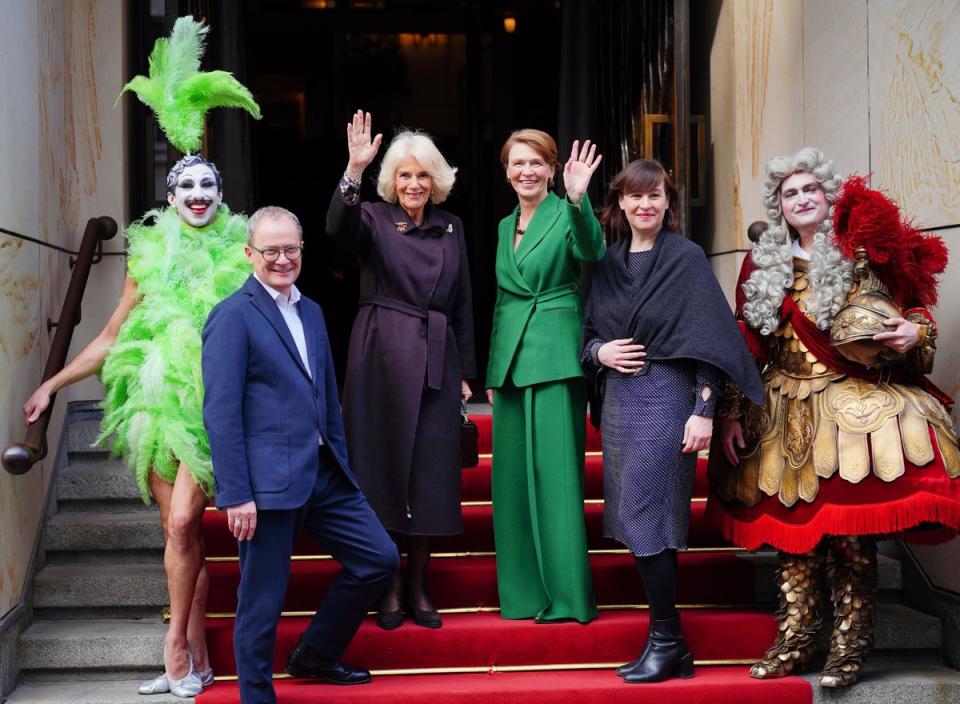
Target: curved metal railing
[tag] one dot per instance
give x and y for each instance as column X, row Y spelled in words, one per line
column 19, row 457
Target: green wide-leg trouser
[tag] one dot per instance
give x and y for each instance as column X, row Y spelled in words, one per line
column 543, row 569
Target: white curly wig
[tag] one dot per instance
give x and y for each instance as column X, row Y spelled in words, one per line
column 830, row 274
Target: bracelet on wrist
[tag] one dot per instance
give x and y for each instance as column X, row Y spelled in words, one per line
column 349, row 189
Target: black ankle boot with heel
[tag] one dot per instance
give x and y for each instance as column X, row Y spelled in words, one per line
column 666, row 655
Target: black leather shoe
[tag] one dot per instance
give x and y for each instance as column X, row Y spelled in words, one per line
column 665, row 656
column 304, row 661
column 428, row 618
column 388, row 620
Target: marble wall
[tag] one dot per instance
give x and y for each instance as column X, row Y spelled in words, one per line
column 915, row 105
column 62, row 150
column 876, row 85
column 756, row 68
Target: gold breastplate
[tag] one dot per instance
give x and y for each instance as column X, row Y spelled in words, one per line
column 787, row 350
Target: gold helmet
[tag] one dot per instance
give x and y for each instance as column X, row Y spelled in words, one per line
column 862, row 316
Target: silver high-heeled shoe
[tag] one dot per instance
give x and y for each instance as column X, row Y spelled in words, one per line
column 187, row 687
column 161, row 684
column 190, row 686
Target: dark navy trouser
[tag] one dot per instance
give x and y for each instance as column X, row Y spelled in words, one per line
column 338, row 517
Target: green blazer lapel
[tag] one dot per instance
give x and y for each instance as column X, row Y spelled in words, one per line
column 543, row 220
column 511, row 277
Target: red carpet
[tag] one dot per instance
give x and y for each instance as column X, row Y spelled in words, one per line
column 709, row 576
column 477, row 533
column 712, row 685
column 486, row 640
column 705, row 578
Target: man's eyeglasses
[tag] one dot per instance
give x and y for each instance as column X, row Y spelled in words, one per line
column 272, row 254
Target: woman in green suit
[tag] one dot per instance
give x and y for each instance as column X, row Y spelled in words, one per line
column 536, row 385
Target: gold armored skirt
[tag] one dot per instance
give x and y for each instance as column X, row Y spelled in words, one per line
column 833, row 455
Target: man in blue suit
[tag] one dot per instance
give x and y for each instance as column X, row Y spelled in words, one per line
column 280, row 463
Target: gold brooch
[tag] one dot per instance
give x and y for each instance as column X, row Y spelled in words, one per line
column 401, row 226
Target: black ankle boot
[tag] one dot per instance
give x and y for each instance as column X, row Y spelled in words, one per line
column 629, row 667
column 665, row 656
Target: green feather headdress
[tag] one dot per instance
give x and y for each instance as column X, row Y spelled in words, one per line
column 180, row 93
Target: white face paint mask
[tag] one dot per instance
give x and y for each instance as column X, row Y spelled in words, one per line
column 196, row 196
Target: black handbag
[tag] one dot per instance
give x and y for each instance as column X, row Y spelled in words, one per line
column 469, row 440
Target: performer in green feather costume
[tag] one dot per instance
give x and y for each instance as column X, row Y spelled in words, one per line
column 182, row 260
column 154, row 393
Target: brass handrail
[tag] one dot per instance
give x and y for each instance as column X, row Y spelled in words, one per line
column 19, row 457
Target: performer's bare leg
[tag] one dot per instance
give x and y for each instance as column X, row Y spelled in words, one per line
column 181, row 510
column 197, row 625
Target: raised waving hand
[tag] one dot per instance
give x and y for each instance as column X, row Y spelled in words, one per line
column 579, row 169
column 363, row 150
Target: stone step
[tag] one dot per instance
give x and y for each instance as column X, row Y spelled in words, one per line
column 91, row 692
column 83, row 430
column 79, row 587
column 896, row 678
column 107, row 649
column 104, row 557
column 80, row 531
column 81, row 434
column 89, row 482
column 900, row 627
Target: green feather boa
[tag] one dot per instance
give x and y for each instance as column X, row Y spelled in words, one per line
column 154, row 389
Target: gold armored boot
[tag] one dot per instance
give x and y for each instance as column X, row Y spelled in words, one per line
column 798, row 616
column 852, row 575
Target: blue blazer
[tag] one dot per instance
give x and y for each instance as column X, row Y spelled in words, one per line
column 263, row 412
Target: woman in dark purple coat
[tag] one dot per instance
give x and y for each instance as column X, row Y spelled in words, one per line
column 410, row 350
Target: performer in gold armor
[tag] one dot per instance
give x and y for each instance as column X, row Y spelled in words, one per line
column 852, row 441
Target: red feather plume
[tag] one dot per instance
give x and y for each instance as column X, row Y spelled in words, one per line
column 907, row 260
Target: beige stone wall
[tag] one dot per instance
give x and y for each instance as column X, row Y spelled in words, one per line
column 876, row 85
column 62, row 150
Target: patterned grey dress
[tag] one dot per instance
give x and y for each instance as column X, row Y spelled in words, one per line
column 647, row 480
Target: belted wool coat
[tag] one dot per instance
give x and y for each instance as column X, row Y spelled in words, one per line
column 411, row 343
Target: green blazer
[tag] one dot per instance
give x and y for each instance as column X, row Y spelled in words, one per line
column 538, row 317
